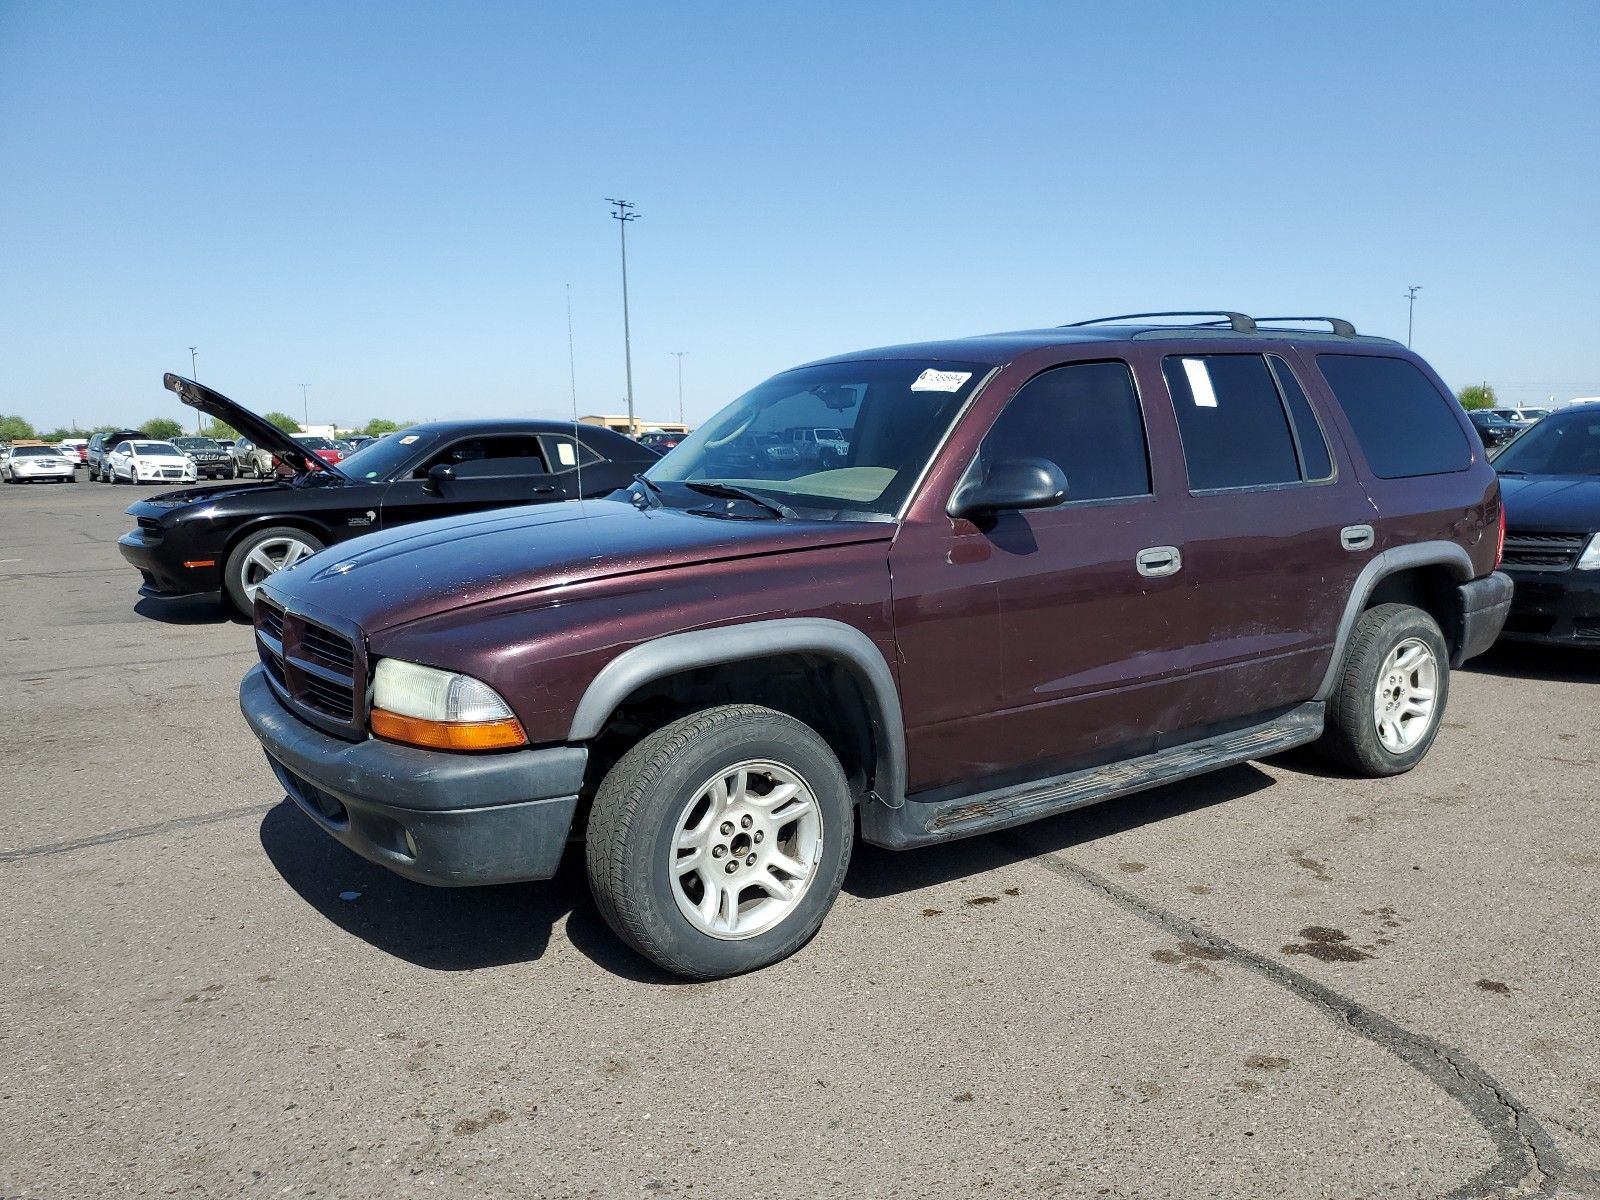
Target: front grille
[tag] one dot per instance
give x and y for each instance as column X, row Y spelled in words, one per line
column 1543, row 551
column 318, row 671
column 149, row 524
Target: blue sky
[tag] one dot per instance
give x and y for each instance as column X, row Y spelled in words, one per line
column 387, row 200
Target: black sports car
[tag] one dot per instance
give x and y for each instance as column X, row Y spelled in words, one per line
column 1550, row 485
column 232, row 537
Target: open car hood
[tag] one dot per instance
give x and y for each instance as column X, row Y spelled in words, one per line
column 259, row 431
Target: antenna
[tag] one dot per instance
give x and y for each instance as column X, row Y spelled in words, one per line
column 572, row 370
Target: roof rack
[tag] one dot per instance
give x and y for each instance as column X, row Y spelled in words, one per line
column 1237, row 321
column 1338, row 324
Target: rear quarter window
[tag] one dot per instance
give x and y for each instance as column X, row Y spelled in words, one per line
column 1404, row 424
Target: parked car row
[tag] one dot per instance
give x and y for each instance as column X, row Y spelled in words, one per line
column 36, row 462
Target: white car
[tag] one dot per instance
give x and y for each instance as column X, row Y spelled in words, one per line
column 150, row 462
column 30, row 464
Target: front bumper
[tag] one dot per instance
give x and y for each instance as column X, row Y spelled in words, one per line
column 160, row 559
column 1555, row 607
column 432, row 816
column 29, row 474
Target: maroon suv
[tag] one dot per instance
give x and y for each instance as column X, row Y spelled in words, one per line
column 1047, row 568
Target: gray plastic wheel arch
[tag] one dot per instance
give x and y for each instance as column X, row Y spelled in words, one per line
column 1390, row 562
column 664, row 656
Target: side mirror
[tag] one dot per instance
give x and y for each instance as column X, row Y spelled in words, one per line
column 1011, row 483
column 438, row 475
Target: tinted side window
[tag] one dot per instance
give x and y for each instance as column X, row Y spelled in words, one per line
column 491, row 457
column 1085, row 418
column 1235, row 433
column 1315, row 462
column 1403, row 422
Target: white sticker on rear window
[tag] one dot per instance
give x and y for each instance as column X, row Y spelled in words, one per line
column 566, row 454
column 940, row 381
column 409, row 438
column 1200, row 382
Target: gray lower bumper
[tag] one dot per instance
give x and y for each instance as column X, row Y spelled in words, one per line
column 432, row 816
column 1484, row 605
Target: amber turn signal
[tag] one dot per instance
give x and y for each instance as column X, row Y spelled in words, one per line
column 448, row 735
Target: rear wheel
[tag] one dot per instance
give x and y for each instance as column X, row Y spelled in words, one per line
column 261, row 556
column 718, row 844
column 1391, row 692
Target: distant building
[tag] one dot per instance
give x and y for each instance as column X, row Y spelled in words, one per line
column 619, row 424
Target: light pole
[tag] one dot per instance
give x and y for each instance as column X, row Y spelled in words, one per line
column 1411, row 309
column 678, row 354
column 623, row 214
column 194, row 374
column 305, row 403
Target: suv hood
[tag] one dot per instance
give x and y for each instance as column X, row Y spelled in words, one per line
column 1552, row 503
column 259, row 431
column 396, row 576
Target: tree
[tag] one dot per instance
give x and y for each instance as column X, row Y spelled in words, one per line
column 220, row 429
column 283, row 421
column 12, row 428
column 60, row 435
column 379, row 426
column 162, row 428
column 1477, row 395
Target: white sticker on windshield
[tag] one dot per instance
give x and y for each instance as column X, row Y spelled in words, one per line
column 566, row 454
column 940, row 381
column 409, row 438
column 1200, row 382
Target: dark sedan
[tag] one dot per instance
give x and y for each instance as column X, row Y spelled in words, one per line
column 1493, row 428
column 231, row 538
column 1550, row 485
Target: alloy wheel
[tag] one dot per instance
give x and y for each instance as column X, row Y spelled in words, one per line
column 268, row 558
column 745, row 850
column 1403, row 704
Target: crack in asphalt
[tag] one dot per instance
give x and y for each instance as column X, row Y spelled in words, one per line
column 136, row 831
column 1529, row 1163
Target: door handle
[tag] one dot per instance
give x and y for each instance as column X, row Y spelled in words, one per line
column 1357, row 537
column 544, row 489
column 1159, row 561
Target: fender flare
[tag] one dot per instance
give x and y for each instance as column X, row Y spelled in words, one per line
column 1389, row 562
column 668, row 655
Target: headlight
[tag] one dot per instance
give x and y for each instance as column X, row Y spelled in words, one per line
column 1589, row 560
column 424, row 706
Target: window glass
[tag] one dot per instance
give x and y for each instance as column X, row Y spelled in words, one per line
column 1403, row 423
column 1561, row 445
column 1315, row 462
column 482, row 458
column 1085, row 418
column 1235, row 433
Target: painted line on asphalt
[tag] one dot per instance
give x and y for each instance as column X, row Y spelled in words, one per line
column 1529, row 1162
column 137, row 831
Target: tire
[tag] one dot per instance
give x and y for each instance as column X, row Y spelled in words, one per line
column 647, row 803
column 1377, row 678
column 239, row 578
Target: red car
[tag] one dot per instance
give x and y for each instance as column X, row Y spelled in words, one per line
column 320, row 447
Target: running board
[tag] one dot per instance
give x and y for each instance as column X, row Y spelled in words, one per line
column 917, row 823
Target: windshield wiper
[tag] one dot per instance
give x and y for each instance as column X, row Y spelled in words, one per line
column 1511, row 471
column 733, row 492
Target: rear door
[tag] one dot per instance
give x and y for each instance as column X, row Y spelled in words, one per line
column 485, row 472
column 1276, row 527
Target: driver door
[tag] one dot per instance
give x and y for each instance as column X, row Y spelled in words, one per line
column 483, row 472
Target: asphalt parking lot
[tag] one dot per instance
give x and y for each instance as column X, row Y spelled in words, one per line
column 1271, row 982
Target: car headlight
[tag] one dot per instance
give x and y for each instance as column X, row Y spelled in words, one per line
column 1589, row 560
column 424, row 706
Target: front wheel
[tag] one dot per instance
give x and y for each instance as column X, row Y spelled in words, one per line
column 718, row 844
column 260, row 556
column 1391, row 691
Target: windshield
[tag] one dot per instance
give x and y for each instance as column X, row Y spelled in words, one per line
column 195, row 443
column 35, row 452
column 382, row 458
column 316, row 443
column 157, row 449
column 883, row 418
column 1555, row 446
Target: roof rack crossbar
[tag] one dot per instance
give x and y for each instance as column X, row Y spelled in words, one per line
column 1237, row 321
column 1338, row 324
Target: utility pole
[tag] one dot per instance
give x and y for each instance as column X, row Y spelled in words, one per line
column 678, row 354
column 1411, row 309
column 305, row 403
column 194, row 374
column 623, row 214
